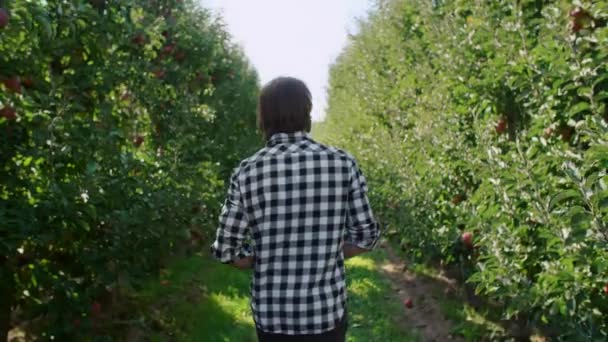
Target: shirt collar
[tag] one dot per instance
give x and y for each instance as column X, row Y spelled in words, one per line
column 283, row 138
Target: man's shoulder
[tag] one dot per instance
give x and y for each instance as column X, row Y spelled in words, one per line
column 254, row 158
column 312, row 147
column 333, row 151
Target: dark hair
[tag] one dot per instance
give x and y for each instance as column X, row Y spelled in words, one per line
column 284, row 107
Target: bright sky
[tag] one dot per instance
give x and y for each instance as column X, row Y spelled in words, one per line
column 298, row 38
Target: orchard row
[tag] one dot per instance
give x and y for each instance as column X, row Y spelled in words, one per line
column 119, row 121
column 483, row 130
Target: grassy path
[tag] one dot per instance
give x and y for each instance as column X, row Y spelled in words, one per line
column 199, row 299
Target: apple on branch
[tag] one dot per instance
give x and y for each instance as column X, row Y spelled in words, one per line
column 467, row 239
column 138, row 140
column 9, row 113
column 4, row 18
column 139, row 39
column 13, row 84
column 501, row 126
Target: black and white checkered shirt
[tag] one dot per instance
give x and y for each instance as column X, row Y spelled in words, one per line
column 293, row 205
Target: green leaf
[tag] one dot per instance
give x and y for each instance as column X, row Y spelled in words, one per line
column 562, row 196
column 84, row 225
column 581, row 220
column 578, row 108
column 91, row 167
column 601, row 96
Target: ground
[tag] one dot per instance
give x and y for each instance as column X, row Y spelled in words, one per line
column 199, row 299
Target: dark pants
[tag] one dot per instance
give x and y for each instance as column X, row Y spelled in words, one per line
column 338, row 334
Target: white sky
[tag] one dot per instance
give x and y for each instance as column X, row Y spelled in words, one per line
column 298, row 38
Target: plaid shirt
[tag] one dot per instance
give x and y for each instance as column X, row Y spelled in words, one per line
column 293, row 205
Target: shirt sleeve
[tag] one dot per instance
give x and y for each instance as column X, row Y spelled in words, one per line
column 362, row 229
column 233, row 231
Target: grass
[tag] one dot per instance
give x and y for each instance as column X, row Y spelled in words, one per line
column 471, row 323
column 199, row 299
column 373, row 308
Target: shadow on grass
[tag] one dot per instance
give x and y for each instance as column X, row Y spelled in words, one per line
column 198, row 299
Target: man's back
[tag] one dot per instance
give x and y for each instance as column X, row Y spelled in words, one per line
column 296, row 193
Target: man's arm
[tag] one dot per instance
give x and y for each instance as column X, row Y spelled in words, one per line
column 229, row 246
column 352, row 250
column 243, row 263
column 362, row 229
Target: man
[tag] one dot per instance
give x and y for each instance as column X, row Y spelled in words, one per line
column 294, row 211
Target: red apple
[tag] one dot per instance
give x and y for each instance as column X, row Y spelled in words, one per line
column 168, row 48
column 578, row 13
column 13, row 84
column 126, row 96
column 566, row 133
column 139, row 39
column 501, row 126
column 575, row 26
column 408, row 303
column 76, row 322
column 159, row 74
column 179, row 56
column 467, row 239
column 580, row 19
column 9, row 113
column 4, row 18
column 96, row 308
column 457, row 199
column 138, row 140
column 606, row 289
column 28, row 82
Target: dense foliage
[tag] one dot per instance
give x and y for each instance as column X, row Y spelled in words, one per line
column 119, row 120
column 482, row 127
